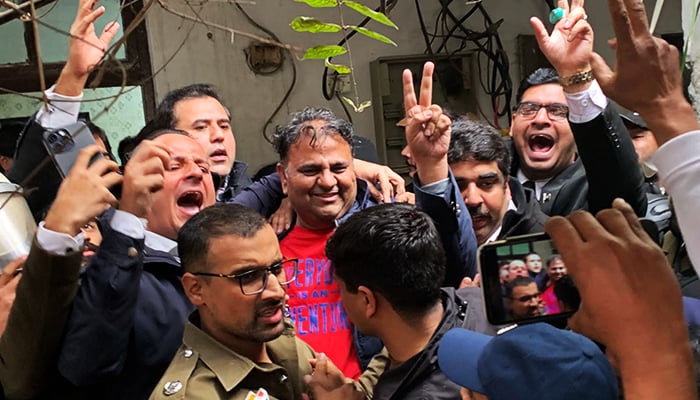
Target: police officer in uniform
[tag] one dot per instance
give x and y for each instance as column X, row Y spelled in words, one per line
column 238, row 344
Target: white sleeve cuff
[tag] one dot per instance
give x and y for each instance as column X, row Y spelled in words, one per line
column 62, row 110
column 585, row 106
column 676, row 154
column 128, row 224
column 57, row 242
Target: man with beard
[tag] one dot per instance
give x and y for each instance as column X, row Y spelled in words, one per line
column 238, row 343
column 93, row 238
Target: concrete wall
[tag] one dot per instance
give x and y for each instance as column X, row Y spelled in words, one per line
column 217, row 57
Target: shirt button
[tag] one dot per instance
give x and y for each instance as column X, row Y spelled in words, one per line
column 132, row 252
column 585, row 103
column 187, row 353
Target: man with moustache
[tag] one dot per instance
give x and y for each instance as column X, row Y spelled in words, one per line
column 499, row 205
column 238, row 343
column 93, row 238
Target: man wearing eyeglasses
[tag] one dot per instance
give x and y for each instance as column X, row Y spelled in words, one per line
column 569, row 143
column 238, row 343
column 550, row 121
column 523, row 298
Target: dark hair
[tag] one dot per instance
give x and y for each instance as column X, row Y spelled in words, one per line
column 152, row 130
column 565, row 291
column 477, row 141
column 517, row 281
column 125, row 148
column 553, row 258
column 165, row 116
column 287, row 135
column 9, row 132
column 540, row 76
column 393, row 249
column 210, row 223
column 100, row 133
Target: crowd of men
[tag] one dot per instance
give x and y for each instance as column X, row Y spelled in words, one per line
column 162, row 277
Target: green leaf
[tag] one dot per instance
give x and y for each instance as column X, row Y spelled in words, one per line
column 361, row 107
column 368, row 12
column 374, row 35
column 311, row 24
column 319, row 3
column 341, row 69
column 321, row 52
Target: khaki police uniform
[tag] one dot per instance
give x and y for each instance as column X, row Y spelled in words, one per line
column 203, row 368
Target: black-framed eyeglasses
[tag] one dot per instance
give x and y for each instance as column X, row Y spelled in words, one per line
column 555, row 111
column 528, row 298
column 254, row 281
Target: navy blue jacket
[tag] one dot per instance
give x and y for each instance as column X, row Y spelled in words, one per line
column 127, row 320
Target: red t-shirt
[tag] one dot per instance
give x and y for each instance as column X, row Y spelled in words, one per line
column 550, row 300
column 314, row 300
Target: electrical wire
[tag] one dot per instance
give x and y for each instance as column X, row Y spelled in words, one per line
column 268, row 122
column 450, row 31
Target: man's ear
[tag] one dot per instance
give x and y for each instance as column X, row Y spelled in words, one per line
column 193, row 288
column 5, row 162
column 283, row 177
column 370, row 300
column 509, row 196
column 512, row 122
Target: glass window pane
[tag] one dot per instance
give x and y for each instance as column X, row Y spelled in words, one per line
column 12, row 50
column 60, row 15
column 123, row 118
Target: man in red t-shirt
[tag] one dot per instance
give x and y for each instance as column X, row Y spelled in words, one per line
column 318, row 177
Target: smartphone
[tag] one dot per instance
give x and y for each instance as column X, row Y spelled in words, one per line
column 524, row 280
column 64, row 145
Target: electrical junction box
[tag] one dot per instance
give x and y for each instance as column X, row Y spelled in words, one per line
column 452, row 89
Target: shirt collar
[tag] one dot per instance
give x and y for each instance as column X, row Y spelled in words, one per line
column 538, row 184
column 161, row 243
column 494, row 235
